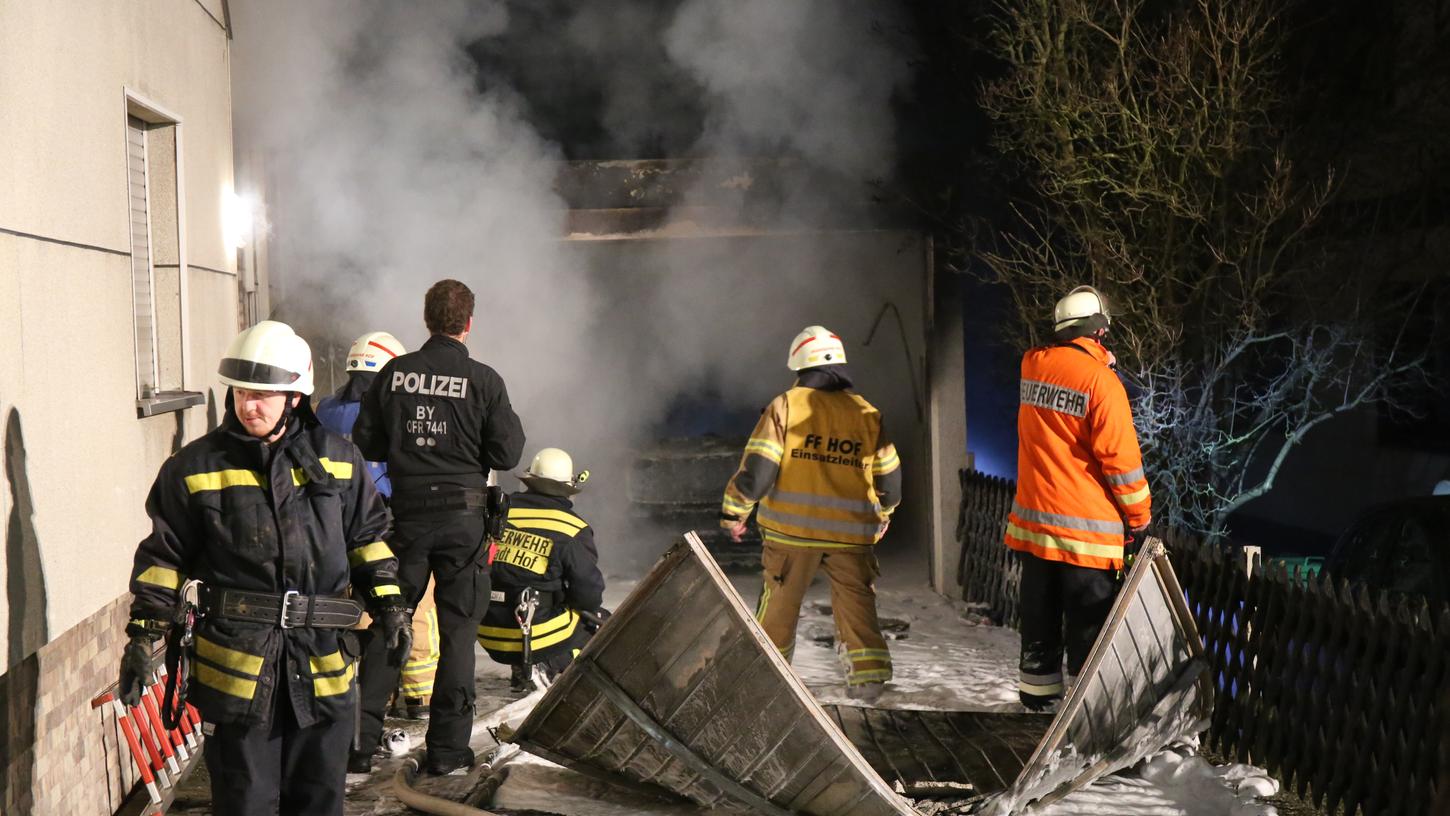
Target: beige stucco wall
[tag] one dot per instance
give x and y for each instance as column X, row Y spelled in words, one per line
column 67, row 343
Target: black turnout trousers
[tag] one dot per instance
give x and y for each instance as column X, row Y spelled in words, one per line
column 1062, row 605
column 453, row 548
column 280, row 768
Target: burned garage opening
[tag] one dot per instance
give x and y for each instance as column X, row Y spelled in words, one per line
column 704, row 279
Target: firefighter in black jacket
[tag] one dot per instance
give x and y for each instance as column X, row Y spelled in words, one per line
column 277, row 518
column 546, row 573
column 441, row 422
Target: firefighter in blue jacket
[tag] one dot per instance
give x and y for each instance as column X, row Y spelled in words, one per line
column 276, row 518
column 545, row 575
column 338, row 412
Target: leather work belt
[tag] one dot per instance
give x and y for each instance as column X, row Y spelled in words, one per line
column 289, row 610
column 437, row 502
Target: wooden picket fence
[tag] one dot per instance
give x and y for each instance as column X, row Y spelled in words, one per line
column 1340, row 694
column 988, row 573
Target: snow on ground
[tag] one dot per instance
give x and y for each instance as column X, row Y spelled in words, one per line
column 948, row 659
column 1173, row 783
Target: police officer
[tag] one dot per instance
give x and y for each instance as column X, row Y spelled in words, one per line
column 827, row 480
column 338, row 413
column 441, row 422
column 545, row 575
column 277, row 518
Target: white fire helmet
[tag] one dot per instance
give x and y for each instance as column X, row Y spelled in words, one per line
column 268, row 357
column 372, row 351
column 1079, row 304
column 815, row 346
column 552, row 471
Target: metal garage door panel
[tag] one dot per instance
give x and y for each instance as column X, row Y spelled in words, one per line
column 681, row 689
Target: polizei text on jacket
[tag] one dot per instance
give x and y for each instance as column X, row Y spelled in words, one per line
column 433, row 385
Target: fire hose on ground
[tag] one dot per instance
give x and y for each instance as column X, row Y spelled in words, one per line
column 491, row 777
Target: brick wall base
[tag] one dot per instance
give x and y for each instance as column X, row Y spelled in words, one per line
column 63, row 758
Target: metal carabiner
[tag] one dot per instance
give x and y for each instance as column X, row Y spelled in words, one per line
column 524, row 615
column 188, row 609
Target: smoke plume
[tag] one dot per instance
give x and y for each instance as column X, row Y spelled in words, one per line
column 812, row 78
column 403, row 143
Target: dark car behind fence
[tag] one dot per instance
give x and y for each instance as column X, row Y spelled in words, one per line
column 1341, row 694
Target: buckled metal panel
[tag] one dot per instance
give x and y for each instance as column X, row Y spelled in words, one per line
column 682, row 691
column 1144, row 685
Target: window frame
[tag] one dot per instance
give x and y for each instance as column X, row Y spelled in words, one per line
column 139, row 106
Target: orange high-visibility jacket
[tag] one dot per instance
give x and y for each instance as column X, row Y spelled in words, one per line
column 1079, row 469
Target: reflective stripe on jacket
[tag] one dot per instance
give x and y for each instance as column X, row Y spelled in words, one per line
column 297, row 515
column 545, row 546
column 1079, row 469
column 815, row 463
column 339, row 415
column 505, row 643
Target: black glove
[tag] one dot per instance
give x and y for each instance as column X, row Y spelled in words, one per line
column 496, row 512
column 137, row 666
column 594, row 620
column 397, row 633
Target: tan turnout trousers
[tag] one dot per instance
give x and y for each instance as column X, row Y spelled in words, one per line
column 853, row 572
column 415, row 682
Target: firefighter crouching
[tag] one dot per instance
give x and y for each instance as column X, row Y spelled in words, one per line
column 826, row 480
column 547, row 588
column 278, row 520
column 441, row 421
column 1079, row 477
column 338, row 413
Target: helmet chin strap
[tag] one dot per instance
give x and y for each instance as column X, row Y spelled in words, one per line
column 282, row 420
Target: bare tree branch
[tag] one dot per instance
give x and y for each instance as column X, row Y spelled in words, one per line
column 1155, row 142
